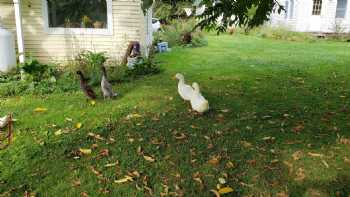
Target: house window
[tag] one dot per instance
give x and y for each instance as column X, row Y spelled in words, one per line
column 341, row 8
column 317, row 7
column 77, row 16
column 291, row 9
column 287, row 10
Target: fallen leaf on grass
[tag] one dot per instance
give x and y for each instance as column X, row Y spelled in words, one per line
column 134, row 115
column 300, row 175
column 214, row 160
column 344, row 141
column 225, row 190
column 85, row 151
column 314, row 154
column 246, row 144
column 180, row 136
column 325, row 163
column 111, row 164
column 40, row 109
column 225, row 110
column 216, row 193
column 299, row 128
column 282, row 194
column 230, row 164
column 78, row 125
column 58, row 132
column 149, row 158
column 124, row 180
column 347, row 160
column 297, row 155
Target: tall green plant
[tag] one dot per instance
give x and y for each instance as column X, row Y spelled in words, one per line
column 90, row 63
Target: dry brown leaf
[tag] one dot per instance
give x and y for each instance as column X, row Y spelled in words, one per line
column 230, row 164
column 344, row 141
column 325, row 163
column 104, row 153
column 282, row 194
column 299, row 128
column 124, row 180
column 297, row 155
column 76, row 183
column 347, row 160
column 58, row 132
column 246, row 144
column 111, row 164
column 216, row 193
column 84, row 194
column 214, row 160
column 315, row 154
column 289, row 165
column 300, row 175
column 149, row 158
column 180, row 136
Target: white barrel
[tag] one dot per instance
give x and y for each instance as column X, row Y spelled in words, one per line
column 7, row 51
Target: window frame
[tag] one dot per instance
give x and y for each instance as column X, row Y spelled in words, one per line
column 78, row 31
column 317, row 7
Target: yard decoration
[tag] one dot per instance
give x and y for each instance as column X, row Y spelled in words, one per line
column 85, row 87
column 133, row 50
column 6, row 121
column 185, row 91
column 106, row 87
column 198, row 102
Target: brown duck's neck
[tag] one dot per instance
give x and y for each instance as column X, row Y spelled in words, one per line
column 82, row 78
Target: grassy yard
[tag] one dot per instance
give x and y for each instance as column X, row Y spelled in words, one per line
column 279, row 125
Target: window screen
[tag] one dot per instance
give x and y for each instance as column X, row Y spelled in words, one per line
column 317, row 7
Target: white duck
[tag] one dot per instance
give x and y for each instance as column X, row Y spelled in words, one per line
column 106, row 87
column 184, row 90
column 4, row 121
column 198, row 102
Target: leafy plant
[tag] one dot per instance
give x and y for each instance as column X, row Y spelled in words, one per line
column 147, row 67
column 34, row 69
column 182, row 32
column 90, row 63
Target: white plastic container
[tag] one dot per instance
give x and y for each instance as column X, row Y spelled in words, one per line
column 7, row 51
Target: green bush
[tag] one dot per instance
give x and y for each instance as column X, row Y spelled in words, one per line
column 90, row 64
column 177, row 31
column 146, row 67
column 278, row 33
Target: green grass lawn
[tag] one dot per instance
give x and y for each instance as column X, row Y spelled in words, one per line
column 279, row 124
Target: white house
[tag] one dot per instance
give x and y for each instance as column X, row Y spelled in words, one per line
column 325, row 16
column 55, row 30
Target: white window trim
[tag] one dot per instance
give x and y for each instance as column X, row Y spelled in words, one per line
column 78, row 31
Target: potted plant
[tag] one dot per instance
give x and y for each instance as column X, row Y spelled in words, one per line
column 67, row 23
column 86, row 22
column 98, row 24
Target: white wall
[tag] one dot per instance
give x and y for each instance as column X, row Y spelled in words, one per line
column 304, row 21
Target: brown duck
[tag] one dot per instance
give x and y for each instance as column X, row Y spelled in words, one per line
column 85, row 87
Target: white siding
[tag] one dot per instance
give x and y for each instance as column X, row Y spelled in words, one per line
column 128, row 23
column 304, row 21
